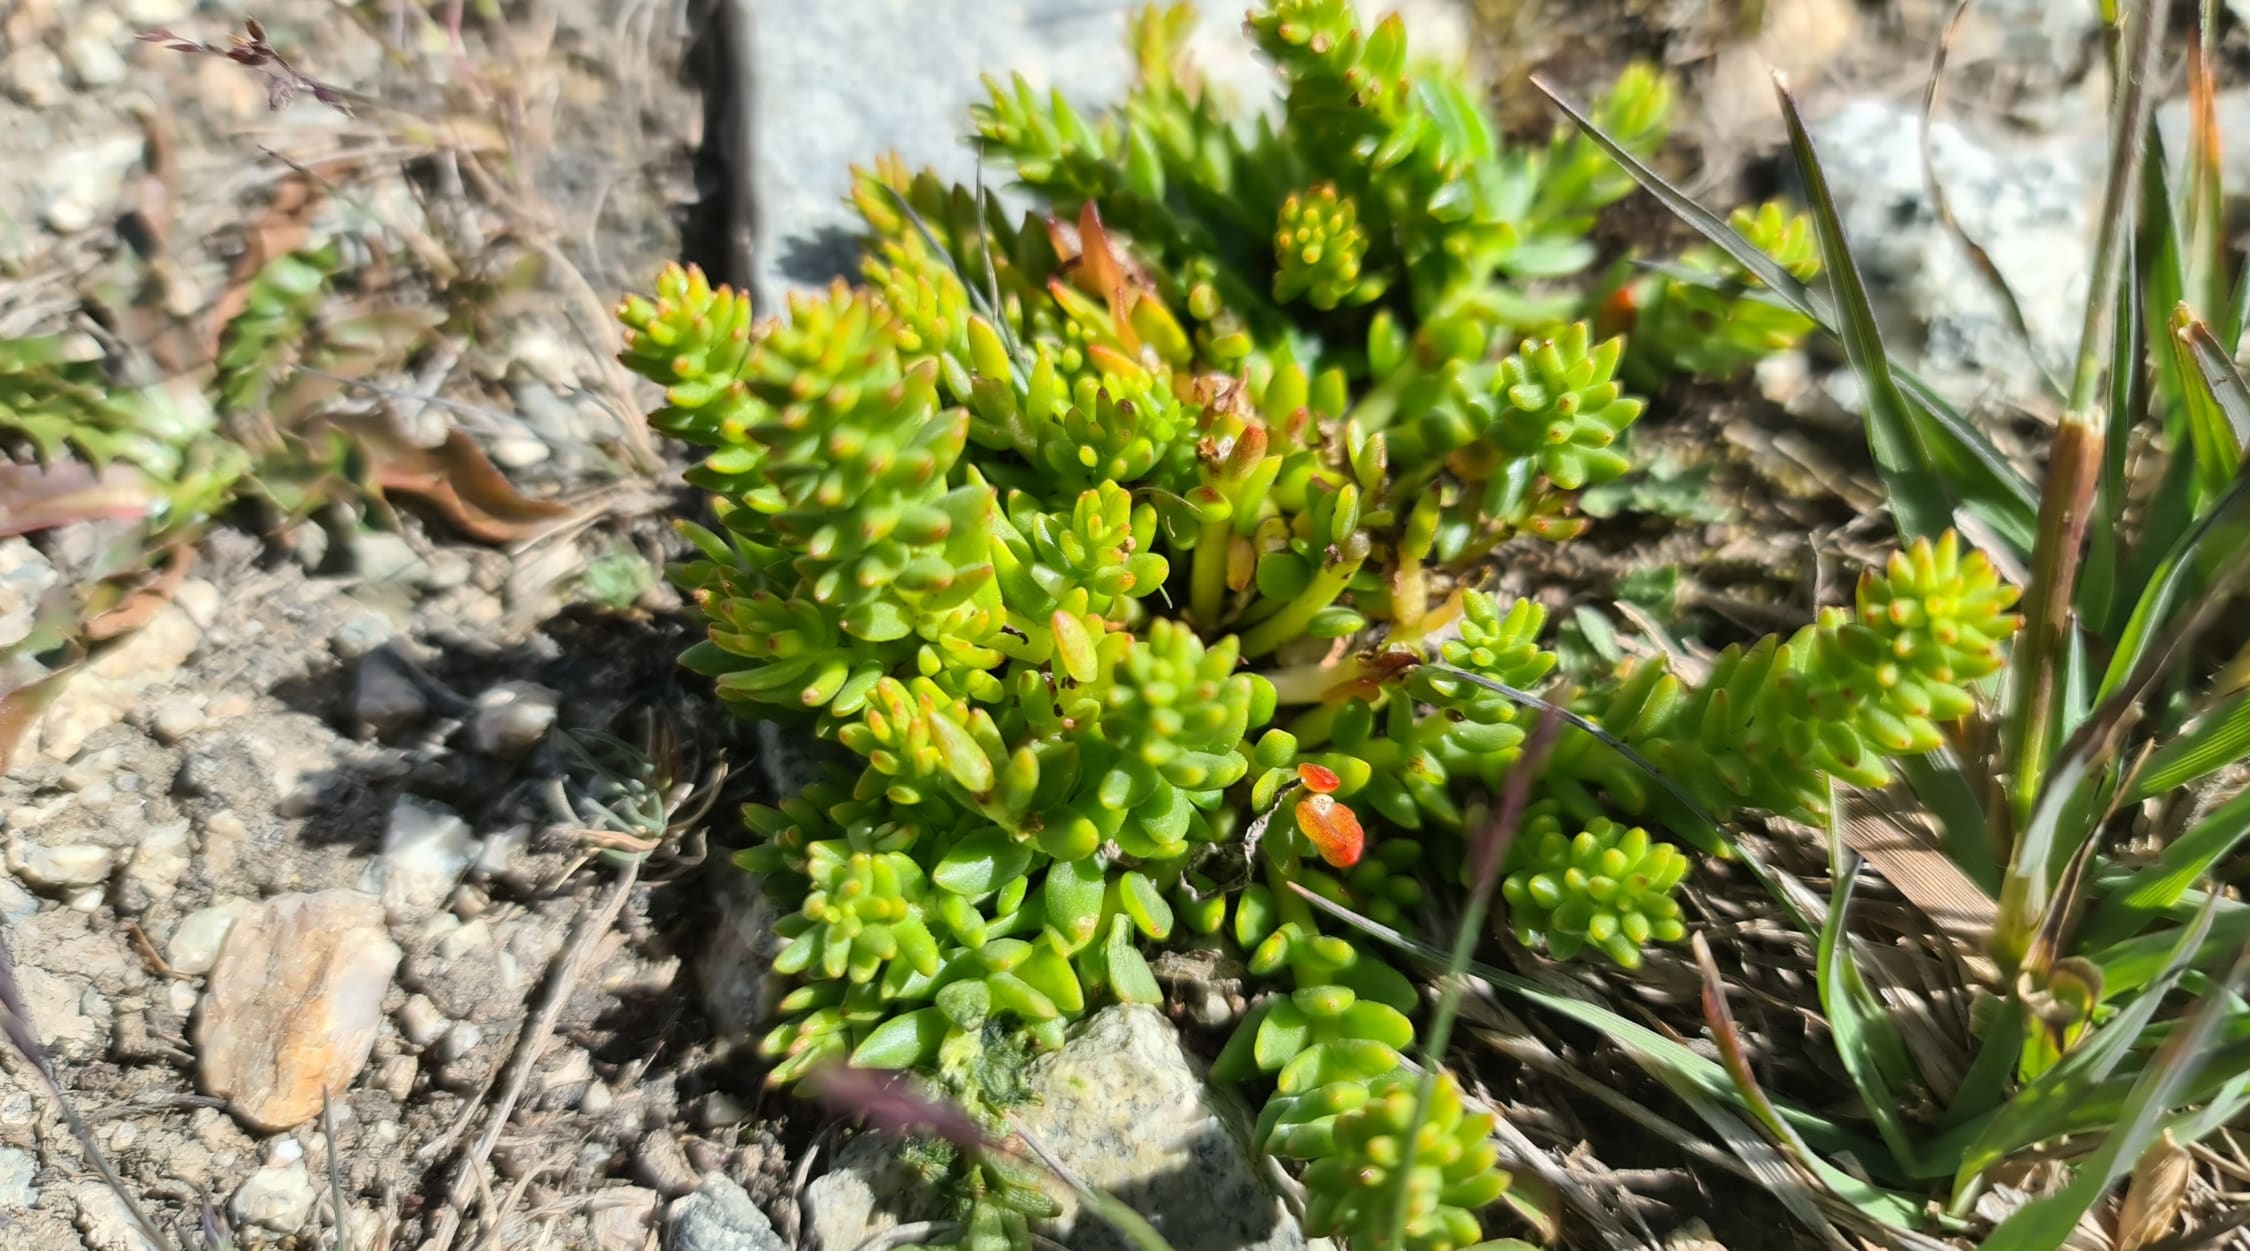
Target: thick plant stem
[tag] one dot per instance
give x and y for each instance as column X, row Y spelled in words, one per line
column 1208, row 592
column 2074, row 465
column 1326, row 585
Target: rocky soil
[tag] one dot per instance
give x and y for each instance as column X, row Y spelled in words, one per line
column 385, row 861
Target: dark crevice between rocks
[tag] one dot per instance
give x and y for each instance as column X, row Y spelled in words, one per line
column 720, row 230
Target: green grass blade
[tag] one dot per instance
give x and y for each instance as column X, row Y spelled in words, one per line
column 2216, row 364
column 2044, row 1223
column 2136, row 962
column 1865, row 1038
column 2149, row 892
column 2174, row 578
column 1919, row 501
column 2040, row 1110
column 2220, row 739
column 2213, row 441
column 2098, row 590
column 1985, row 479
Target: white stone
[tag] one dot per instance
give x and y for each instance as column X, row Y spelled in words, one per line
column 60, row 868
column 18, row 1170
column 510, row 719
column 196, row 942
column 420, row 1022
column 1122, row 1106
column 278, row 1198
column 426, row 850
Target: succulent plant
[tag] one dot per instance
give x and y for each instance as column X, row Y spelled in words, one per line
column 1351, row 1187
column 1606, row 887
column 1711, row 317
column 1131, row 552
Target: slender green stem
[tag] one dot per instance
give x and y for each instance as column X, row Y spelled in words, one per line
column 1491, row 846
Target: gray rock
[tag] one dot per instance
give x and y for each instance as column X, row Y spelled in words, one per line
column 293, row 1005
column 17, row 905
column 426, row 850
column 278, row 1198
column 156, row 12
column 94, row 59
column 175, row 718
column 360, row 633
column 385, row 697
column 81, row 184
column 61, row 867
column 838, row 83
column 2027, row 203
column 33, row 74
column 67, row 1014
column 382, row 556
column 510, row 719
column 719, row 1216
column 1123, row 1107
column 734, row 968
column 18, row 1170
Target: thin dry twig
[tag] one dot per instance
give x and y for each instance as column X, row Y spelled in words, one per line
column 575, row 958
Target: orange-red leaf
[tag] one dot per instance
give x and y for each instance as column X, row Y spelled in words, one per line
column 1333, row 828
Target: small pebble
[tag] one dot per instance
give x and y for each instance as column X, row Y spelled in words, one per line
column 499, row 850
column 60, row 868
column 18, row 1169
column 426, row 850
column 361, row 633
column 386, row 700
column 195, row 943
column 396, row 1078
column 176, row 718
column 278, row 1197
column 460, row 1042
column 95, row 61
column 519, row 451
column 512, row 718
column 419, row 1021
column 158, row 862
column 720, row 1110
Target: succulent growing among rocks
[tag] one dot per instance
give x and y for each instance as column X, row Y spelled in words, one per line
column 1130, row 555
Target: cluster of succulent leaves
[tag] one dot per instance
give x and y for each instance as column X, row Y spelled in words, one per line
column 1130, row 550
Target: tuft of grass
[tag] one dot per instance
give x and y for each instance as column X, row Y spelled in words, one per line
column 2115, row 951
